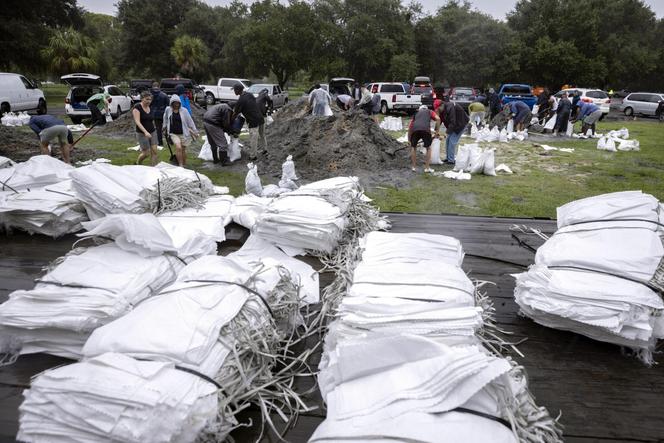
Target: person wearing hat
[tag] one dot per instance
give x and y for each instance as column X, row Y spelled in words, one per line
column 420, row 129
column 247, row 106
column 48, row 129
column 180, row 127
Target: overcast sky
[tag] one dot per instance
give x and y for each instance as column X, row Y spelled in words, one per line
column 496, row 8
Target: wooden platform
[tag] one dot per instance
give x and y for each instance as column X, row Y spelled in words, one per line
column 603, row 395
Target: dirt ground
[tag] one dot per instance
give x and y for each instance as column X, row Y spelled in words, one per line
column 19, row 145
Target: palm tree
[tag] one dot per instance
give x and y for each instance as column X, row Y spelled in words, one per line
column 189, row 53
column 69, row 51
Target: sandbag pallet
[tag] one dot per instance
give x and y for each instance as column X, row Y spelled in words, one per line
column 412, row 356
column 601, row 274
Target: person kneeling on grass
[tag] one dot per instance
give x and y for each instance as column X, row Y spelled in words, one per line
column 180, row 127
column 420, row 129
column 145, row 130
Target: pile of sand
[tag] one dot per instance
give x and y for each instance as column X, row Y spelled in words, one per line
column 347, row 143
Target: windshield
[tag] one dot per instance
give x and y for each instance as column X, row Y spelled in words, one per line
column 463, row 91
column 516, row 90
column 255, row 89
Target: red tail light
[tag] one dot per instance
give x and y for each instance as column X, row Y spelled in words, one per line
column 110, row 99
column 394, row 98
column 67, row 101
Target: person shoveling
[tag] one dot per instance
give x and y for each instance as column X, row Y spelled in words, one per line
column 49, row 128
column 420, row 129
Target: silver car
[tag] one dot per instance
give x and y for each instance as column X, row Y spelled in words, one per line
column 644, row 103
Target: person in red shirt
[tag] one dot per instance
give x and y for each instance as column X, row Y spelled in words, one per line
column 420, row 129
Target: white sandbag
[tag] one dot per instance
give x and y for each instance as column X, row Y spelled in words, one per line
column 24, row 118
column 474, row 133
column 503, row 168
column 601, row 144
column 494, row 135
column 435, row 152
column 247, row 208
column 570, row 129
column 503, row 136
column 234, row 151
column 457, row 175
column 535, row 109
column 462, row 158
column 551, row 123
column 6, row 162
column 205, row 153
column 610, row 145
column 589, row 133
column 36, row 172
column 489, row 162
column 510, row 126
column 252, row 182
column 475, row 164
column 628, row 145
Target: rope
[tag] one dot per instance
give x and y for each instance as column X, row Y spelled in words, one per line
column 617, row 220
column 200, row 375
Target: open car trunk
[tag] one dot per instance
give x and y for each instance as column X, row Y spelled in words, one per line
column 81, row 94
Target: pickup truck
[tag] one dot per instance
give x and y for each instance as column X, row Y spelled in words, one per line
column 393, row 97
column 514, row 92
column 278, row 97
column 223, row 90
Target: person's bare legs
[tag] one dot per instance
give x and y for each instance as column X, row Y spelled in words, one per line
column 179, row 153
column 427, row 158
column 66, row 149
column 142, row 156
column 153, row 155
column 44, row 148
column 413, row 157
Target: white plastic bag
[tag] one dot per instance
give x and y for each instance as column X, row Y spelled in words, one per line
column 601, row 143
column 494, row 135
column 24, row 118
column 610, row 145
column 628, row 145
column 435, row 152
column 234, row 152
column 473, row 131
column 551, row 124
column 503, row 136
column 535, row 109
column 252, row 183
column 510, row 126
column 570, row 129
column 476, row 165
column 288, row 176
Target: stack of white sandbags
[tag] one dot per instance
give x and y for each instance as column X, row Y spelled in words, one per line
column 37, row 172
column 473, row 159
column 405, row 360
column 15, row 119
column 224, row 320
column 114, row 397
column 602, row 273
column 53, row 210
column 90, row 287
column 312, row 217
column 392, row 124
column 107, row 189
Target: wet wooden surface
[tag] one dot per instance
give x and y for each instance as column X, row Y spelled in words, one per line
column 603, row 396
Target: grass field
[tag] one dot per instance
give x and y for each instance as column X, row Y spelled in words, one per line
column 541, row 181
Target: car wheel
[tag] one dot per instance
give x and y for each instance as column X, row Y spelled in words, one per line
column 41, row 107
column 383, row 108
column 209, row 99
column 628, row 111
column 76, row 120
column 4, row 108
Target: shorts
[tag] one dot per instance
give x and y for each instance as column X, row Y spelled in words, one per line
column 592, row 118
column 523, row 117
column 180, row 139
column 425, row 136
column 145, row 143
column 49, row 134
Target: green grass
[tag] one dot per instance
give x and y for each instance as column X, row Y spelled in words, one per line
column 540, row 182
column 55, row 94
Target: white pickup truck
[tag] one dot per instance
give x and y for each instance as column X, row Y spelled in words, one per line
column 223, row 90
column 393, row 97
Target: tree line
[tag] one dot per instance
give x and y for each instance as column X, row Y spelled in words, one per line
column 597, row 43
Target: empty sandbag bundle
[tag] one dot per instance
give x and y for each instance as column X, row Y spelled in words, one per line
column 35, row 173
column 601, row 274
column 202, row 349
column 107, row 189
column 52, row 210
column 408, row 358
column 92, row 286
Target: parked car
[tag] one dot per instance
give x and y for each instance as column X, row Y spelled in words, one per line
column 394, row 97
column 511, row 92
column 223, row 90
column 18, row 93
column 195, row 92
column 82, row 87
column 422, row 86
column 277, row 97
column 641, row 103
column 463, row 96
column 596, row 96
column 138, row 86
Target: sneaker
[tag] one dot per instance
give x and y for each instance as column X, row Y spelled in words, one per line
column 413, row 169
column 430, row 170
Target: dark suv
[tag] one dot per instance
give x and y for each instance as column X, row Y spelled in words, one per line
column 138, row 86
column 195, row 92
column 422, row 86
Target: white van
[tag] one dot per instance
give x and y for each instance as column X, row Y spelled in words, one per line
column 17, row 93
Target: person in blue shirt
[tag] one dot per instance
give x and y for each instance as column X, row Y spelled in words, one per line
column 588, row 113
column 521, row 114
column 184, row 98
column 48, row 129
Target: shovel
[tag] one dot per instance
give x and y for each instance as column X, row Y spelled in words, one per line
column 173, row 159
column 84, row 134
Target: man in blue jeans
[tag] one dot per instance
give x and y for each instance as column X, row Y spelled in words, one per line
column 455, row 120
